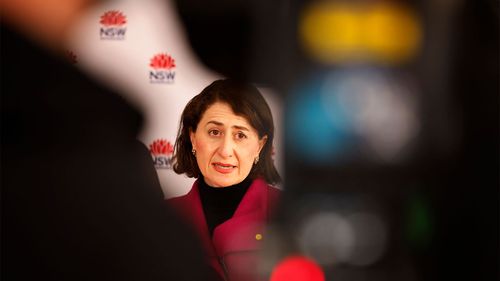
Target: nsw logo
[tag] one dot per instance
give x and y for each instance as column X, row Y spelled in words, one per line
column 113, row 25
column 162, row 69
column 162, row 152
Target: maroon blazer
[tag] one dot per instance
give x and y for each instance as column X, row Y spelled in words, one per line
column 233, row 249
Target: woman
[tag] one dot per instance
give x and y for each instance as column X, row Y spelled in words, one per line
column 225, row 141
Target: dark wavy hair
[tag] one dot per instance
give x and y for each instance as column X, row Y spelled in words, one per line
column 245, row 100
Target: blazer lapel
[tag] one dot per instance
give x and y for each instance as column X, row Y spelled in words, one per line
column 244, row 230
column 193, row 209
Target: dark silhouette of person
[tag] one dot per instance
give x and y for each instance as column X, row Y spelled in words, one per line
column 80, row 197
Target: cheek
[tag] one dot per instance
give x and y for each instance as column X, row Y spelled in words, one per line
column 202, row 157
column 248, row 153
column 203, row 150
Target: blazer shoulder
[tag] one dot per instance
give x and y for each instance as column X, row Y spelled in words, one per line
column 177, row 200
column 181, row 202
column 274, row 190
column 273, row 195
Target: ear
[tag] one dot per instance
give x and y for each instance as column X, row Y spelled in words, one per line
column 192, row 138
column 262, row 142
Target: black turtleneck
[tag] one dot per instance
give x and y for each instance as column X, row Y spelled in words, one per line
column 220, row 203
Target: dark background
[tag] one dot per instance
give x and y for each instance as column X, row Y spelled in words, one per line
column 455, row 165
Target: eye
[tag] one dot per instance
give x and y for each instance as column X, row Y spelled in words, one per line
column 241, row 135
column 214, row 132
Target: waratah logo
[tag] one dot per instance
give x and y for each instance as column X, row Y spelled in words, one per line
column 162, row 69
column 162, row 151
column 113, row 25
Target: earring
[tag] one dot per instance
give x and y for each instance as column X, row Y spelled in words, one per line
column 194, row 152
column 256, row 160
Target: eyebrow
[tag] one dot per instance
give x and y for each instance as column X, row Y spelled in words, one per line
column 222, row 124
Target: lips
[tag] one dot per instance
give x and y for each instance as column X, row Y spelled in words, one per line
column 223, row 167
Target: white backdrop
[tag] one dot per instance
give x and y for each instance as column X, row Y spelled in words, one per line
column 117, row 41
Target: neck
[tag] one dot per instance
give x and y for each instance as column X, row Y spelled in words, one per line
column 244, row 183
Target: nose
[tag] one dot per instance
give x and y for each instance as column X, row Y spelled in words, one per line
column 226, row 148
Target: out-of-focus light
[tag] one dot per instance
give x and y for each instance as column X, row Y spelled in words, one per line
column 382, row 108
column 419, row 222
column 392, row 32
column 297, row 268
column 354, row 238
column 318, row 132
column 354, row 113
column 370, row 241
column 327, row 237
column 331, row 31
column 343, row 32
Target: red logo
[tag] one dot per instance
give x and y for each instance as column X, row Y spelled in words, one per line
column 162, row 151
column 161, row 147
column 115, row 18
column 162, row 61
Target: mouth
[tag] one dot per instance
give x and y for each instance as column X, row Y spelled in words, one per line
column 223, row 168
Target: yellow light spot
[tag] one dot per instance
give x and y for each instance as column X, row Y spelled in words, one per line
column 392, row 33
column 330, row 31
column 258, row 236
column 347, row 32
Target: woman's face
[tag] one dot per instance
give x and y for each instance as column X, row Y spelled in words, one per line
column 226, row 146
